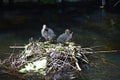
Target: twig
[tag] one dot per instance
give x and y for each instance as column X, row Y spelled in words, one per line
column 91, row 52
column 77, row 65
column 111, row 51
column 16, row 46
column 116, row 3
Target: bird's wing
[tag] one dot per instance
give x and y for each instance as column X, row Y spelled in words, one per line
column 44, row 34
column 69, row 37
column 51, row 32
column 62, row 38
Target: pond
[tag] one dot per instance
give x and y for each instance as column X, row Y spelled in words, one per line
column 92, row 27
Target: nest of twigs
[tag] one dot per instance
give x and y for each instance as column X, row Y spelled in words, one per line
column 47, row 61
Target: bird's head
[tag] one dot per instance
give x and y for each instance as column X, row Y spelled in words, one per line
column 67, row 31
column 44, row 26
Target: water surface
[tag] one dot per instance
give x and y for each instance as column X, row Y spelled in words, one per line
column 92, row 27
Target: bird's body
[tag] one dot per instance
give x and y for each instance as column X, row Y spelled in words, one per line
column 65, row 37
column 47, row 33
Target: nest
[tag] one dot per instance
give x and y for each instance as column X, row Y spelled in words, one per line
column 47, row 61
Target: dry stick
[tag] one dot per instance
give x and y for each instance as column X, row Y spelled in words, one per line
column 16, row 46
column 64, row 62
column 111, row 51
column 76, row 70
column 77, row 65
column 76, row 62
column 20, row 46
column 52, row 66
column 67, row 63
column 85, row 58
column 87, row 49
column 24, row 62
column 83, row 54
column 116, row 3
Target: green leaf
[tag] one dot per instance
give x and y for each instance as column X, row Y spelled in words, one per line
column 37, row 66
column 23, row 70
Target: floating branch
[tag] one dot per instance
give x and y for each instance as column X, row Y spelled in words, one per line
column 17, row 47
column 116, row 3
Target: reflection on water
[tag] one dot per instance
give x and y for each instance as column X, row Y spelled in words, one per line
column 92, row 28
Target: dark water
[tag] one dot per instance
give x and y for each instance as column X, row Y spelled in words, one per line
column 92, row 27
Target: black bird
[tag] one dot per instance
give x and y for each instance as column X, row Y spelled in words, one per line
column 65, row 37
column 47, row 33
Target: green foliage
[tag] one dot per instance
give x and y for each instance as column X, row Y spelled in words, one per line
column 40, row 64
column 112, row 22
column 36, row 66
